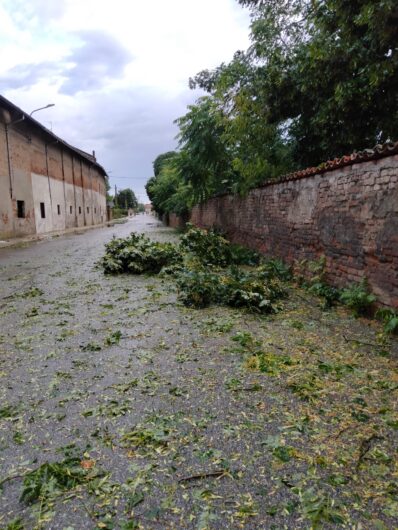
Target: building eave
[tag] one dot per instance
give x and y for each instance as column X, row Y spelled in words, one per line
column 26, row 118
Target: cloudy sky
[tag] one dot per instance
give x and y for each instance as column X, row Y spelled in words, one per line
column 117, row 70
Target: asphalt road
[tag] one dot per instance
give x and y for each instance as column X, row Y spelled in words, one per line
column 154, row 416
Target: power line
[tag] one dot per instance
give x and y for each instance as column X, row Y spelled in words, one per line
column 129, row 178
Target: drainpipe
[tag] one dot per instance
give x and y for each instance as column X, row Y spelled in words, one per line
column 10, row 177
column 9, row 159
column 92, row 197
column 84, row 202
column 74, row 190
column 7, row 126
column 63, row 183
column 49, row 184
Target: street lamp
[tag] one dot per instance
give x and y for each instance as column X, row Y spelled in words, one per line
column 7, row 126
column 41, row 108
column 24, row 115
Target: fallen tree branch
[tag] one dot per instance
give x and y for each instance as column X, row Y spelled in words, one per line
column 15, row 291
column 365, row 447
column 89, row 512
column 203, row 475
column 253, row 388
column 361, row 342
column 345, row 429
column 12, row 477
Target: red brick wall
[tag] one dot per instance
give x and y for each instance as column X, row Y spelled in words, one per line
column 28, row 160
column 175, row 221
column 350, row 215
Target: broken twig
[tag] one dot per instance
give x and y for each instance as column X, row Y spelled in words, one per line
column 202, row 475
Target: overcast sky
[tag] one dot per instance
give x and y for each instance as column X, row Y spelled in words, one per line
column 117, row 70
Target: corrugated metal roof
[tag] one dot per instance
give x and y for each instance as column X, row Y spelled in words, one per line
column 8, row 105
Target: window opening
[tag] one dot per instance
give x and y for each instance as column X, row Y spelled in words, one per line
column 21, row 209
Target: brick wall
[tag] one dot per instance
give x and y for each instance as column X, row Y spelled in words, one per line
column 71, row 188
column 350, row 215
column 175, row 221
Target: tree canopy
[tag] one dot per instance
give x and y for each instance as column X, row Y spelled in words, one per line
column 126, row 199
column 319, row 80
column 167, row 190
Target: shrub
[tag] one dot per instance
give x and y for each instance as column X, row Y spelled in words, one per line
column 389, row 318
column 252, row 290
column 243, row 256
column 119, row 213
column 309, row 272
column 198, row 288
column 276, row 268
column 329, row 294
column 214, row 249
column 209, row 246
column 234, row 288
column 137, row 254
column 312, row 276
column 358, row 298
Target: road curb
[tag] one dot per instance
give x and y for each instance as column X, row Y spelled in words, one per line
column 20, row 241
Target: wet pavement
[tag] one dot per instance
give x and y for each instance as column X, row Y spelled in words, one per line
column 167, row 418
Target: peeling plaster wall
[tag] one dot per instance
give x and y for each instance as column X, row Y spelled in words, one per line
column 41, row 194
column 350, row 215
column 72, row 190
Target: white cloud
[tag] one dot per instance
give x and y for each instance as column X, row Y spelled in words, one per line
column 117, row 71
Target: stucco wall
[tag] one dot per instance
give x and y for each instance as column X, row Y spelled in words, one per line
column 71, row 188
column 350, row 215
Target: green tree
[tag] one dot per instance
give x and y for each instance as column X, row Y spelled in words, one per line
column 341, row 94
column 126, row 199
column 205, row 160
column 320, row 79
column 323, row 73
column 162, row 160
column 168, row 192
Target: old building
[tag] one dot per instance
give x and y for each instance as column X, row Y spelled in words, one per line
column 46, row 185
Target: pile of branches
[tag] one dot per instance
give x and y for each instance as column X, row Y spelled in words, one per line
column 137, row 254
column 208, row 269
column 232, row 287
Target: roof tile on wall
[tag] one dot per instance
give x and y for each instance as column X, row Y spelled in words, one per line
column 379, row 151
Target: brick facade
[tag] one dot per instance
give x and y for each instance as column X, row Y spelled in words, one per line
column 348, row 214
column 55, row 185
column 175, row 221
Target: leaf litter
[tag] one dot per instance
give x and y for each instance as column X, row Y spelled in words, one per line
column 148, row 414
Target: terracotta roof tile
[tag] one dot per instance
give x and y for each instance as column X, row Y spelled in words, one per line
column 379, row 151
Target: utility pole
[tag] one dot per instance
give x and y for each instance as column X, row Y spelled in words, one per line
column 115, row 195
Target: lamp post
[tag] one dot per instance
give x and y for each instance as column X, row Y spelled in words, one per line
column 41, row 108
column 24, row 115
column 7, row 127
